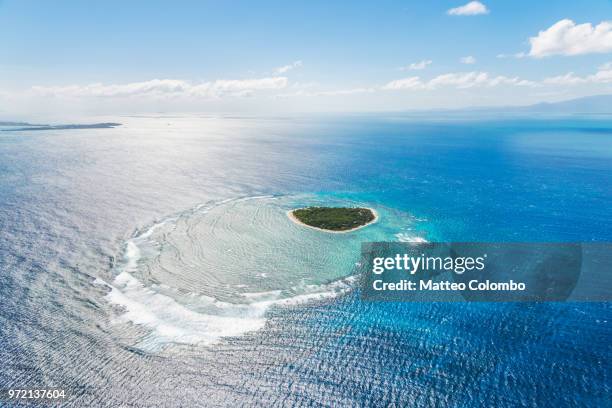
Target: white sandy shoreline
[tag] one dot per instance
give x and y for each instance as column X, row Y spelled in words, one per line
column 295, row 220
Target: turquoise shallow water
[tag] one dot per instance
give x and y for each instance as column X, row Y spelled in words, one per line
column 215, row 270
column 153, row 264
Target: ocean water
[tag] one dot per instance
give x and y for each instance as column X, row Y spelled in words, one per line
column 153, row 264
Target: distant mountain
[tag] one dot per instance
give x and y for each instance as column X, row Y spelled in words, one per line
column 597, row 104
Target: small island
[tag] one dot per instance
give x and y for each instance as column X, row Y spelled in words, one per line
column 333, row 219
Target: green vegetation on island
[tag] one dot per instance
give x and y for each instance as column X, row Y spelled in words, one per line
column 334, row 218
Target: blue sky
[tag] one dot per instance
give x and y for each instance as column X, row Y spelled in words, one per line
column 104, row 55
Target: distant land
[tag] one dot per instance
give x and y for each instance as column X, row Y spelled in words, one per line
column 595, row 105
column 598, row 104
column 24, row 126
column 18, row 124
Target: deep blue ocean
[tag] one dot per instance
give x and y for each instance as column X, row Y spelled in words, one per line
column 153, row 264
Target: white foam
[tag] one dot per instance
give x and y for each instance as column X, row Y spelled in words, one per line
column 171, row 322
column 405, row 237
column 273, row 294
column 173, row 317
column 131, row 256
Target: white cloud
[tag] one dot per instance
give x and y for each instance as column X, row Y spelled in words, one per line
column 504, row 80
column 232, row 86
column 568, row 38
column 472, row 8
column 465, row 80
column 286, row 68
column 468, row 60
column 602, row 76
column 155, row 86
column 405, row 83
column 459, row 80
column 417, row 65
column 567, row 79
column 168, row 87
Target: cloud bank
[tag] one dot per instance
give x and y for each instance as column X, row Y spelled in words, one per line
column 167, row 87
column 172, row 88
column 459, row 80
column 602, row 76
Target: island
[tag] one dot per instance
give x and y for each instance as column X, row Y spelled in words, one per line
column 333, row 219
column 23, row 126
